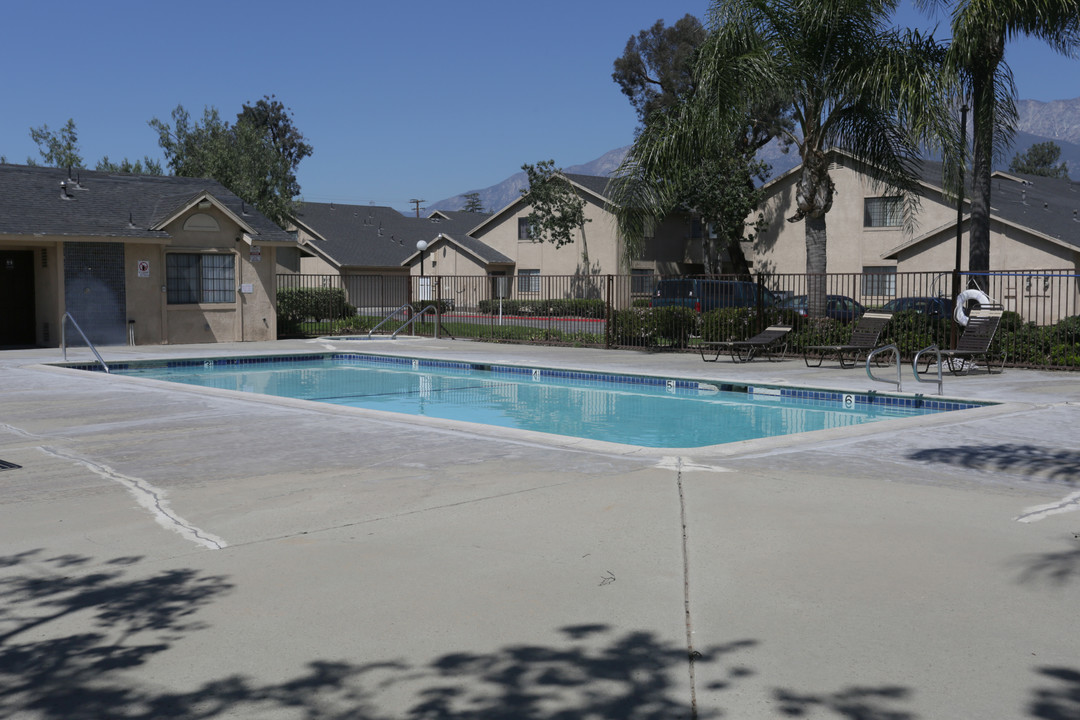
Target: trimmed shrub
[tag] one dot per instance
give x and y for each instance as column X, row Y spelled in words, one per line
column 297, row 306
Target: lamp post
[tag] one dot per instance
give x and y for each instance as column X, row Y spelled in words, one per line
column 421, row 245
column 959, row 217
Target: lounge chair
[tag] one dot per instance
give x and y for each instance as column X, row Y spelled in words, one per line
column 864, row 338
column 745, row 350
column 974, row 342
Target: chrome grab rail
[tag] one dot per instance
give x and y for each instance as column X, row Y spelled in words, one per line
column 915, row 367
column 387, row 319
column 416, row 315
column 63, row 339
column 896, row 355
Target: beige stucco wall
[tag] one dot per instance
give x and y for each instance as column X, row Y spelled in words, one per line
column 250, row 317
column 781, row 247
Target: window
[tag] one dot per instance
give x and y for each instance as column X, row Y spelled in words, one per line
column 194, row 278
column 524, row 229
column 883, row 212
column 879, row 281
column 528, row 281
column 641, row 281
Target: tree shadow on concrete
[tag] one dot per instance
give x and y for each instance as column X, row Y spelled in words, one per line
column 1053, row 568
column 854, row 703
column 73, row 628
column 120, row 623
column 1030, row 460
column 1059, row 701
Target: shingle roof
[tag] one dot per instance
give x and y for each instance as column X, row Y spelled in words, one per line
column 377, row 236
column 98, row 204
column 593, row 183
column 1050, row 206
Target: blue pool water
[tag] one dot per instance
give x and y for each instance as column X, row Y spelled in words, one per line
column 651, row 412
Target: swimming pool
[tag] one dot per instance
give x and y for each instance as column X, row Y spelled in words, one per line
column 635, row 410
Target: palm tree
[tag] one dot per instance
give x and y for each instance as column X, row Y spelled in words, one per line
column 980, row 29
column 850, row 81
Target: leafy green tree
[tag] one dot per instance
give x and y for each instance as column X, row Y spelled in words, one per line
column 851, row 82
column 58, row 148
column 556, row 208
column 657, row 72
column 472, row 203
column 1040, row 159
column 256, row 157
column 655, row 69
column 976, row 54
column 146, row 166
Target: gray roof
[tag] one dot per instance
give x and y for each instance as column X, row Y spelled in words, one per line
column 1050, row 206
column 594, row 183
column 377, row 236
column 108, row 205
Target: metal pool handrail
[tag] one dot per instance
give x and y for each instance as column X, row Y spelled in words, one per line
column 63, row 339
column 915, row 367
column 416, row 315
column 387, row 318
column 896, row 355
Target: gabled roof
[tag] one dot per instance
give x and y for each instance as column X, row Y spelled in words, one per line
column 1044, row 207
column 374, row 235
column 594, row 185
column 485, row 254
column 46, row 201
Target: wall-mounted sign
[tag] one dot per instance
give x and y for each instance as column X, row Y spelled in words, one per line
column 256, row 253
column 144, row 268
column 247, row 288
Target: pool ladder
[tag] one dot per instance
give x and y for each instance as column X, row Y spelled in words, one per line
column 914, row 367
column 63, row 339
column 410, row 321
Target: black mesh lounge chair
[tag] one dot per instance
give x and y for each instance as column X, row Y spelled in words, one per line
column 974, row 343
column 745, row 350
column 864, row 338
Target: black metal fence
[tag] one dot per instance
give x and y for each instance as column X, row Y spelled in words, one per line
column 1040, row 327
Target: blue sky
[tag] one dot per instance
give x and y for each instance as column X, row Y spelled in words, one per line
column 425, row 99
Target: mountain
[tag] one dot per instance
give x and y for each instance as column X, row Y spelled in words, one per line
column 1057, row 120
column 496, row 197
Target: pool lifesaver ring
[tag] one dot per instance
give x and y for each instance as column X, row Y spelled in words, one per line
column 963, row 299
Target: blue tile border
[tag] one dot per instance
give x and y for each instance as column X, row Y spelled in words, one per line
column 826, row 398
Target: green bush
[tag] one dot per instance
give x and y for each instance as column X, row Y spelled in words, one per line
column 737, row 323
column 675, row 324
column 565, row 307
column 635, row 326
column 912, row 331
column 312, row 304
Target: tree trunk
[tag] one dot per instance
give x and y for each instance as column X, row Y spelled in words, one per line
column 816, row 285
column 814, row 199
column 982, row 157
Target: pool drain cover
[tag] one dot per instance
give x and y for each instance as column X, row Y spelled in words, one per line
column 5, row 465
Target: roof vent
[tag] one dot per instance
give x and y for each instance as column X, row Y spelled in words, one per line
column 1075, row 219
column 131, row 220
column 64, row 194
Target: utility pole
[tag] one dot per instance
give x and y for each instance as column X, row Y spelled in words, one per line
column 416, row 202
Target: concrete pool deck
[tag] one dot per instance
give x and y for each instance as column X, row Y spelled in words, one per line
column 167, row 551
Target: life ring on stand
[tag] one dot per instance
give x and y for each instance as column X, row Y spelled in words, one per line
column 963, row 299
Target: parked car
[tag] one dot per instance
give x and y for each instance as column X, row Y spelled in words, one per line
column 703, row 294
column 840, row 307
column 935, row 307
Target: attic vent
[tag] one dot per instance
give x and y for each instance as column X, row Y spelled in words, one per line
column 45, row 256
column 201, row 222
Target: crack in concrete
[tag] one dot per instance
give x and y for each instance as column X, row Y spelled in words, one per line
column 149, row 497
column 691, row 654
column 1069, row 503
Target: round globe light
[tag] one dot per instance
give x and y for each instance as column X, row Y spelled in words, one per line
column 421, row 245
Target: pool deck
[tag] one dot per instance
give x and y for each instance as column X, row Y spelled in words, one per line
column 182, row 552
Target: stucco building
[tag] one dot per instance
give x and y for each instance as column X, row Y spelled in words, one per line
column 149, row 259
